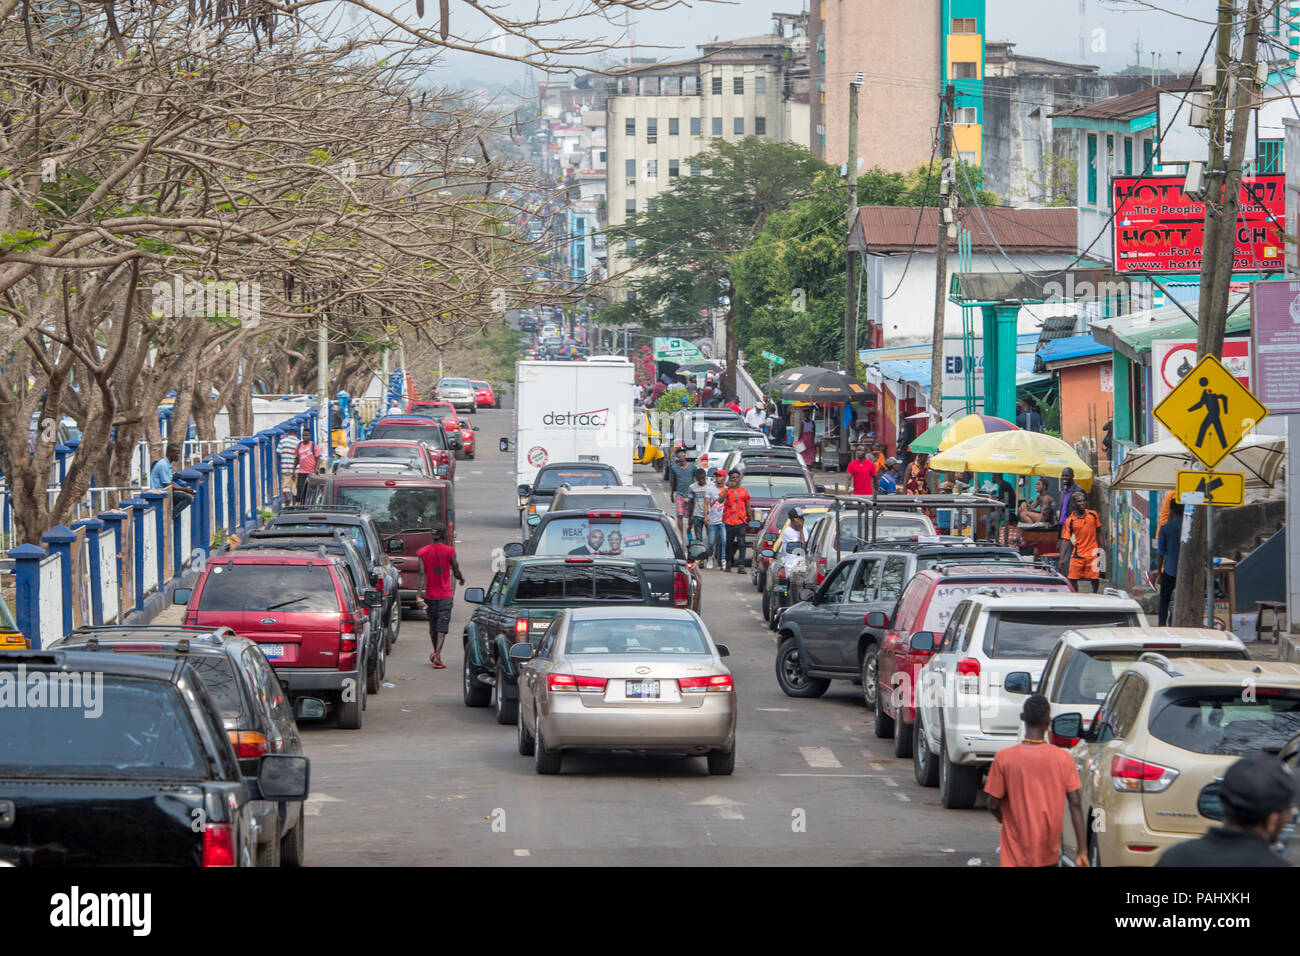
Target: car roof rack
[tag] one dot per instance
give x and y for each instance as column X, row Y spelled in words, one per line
column 326, row 532
column 307, row 509
column 1160, row 661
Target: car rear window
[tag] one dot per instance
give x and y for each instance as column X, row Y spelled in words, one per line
column 931, row 560
column 1089, row 674
column 726, row 442
column 1218, row 720
column 219, row 678
column 383, row 451
column 291, row 588
column 635, row 636
column 143, row 730
column 349, row 531
column 397, row 509
column 551, row 479
column 947, row 596
column 630, row 537
column 1033, row 634
column 774, row 486
column 577, row 582
column 430, row 435
column 640, row 500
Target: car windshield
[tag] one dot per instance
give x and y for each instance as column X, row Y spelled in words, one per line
column 479, row 384
column 577, row 582
column 143, row 730
column 774, row 486
column 1033, row 634
column 1218, row 720
column 617, row 502
column 1089, row 674
column 550, row 479
column 631, row 537
column 635, row 636
column 730, row 441
column 291, row 588
column 947, row 596
column 397, row 509
column 431, row 435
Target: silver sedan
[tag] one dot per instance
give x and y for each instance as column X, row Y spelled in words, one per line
column 649, row 680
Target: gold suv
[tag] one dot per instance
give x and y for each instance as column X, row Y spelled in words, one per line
column 1151, row 759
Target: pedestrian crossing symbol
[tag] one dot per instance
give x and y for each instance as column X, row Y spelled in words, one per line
column 1210, row 412
column 1212, row 488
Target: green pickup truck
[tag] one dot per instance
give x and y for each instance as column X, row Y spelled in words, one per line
column 519, row 605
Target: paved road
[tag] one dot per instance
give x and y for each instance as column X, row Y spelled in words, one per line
column 430, row 781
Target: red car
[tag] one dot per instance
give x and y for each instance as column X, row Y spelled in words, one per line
column 925, row 605
column 434, row 462
column 421, row 428
column 303, row 611
column 444, row 412
column 467, row 437
column 484, row 395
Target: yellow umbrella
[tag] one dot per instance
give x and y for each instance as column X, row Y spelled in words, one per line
column 1014, row 453
column 968, row 426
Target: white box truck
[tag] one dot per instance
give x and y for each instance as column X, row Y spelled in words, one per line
column 574, row 411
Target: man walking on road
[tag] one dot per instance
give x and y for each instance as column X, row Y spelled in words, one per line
column 288, row 464
column 305, row 457
column 1028, row 787
column 715, row 527
column 736, row 515
column 680, row 477
column 1168, row 540
column 437, row 566
column 1083, row 528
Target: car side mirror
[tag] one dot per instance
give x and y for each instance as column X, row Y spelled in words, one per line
column 283, row 777
column 371, row 597
column 524, row 490
column 309, row 708
column 723, row 650
column 767, row 553
column 394, row 546
column 754, row 525
column 474, row 595
column 922, row 642
column 182, row 595
column 522, row 653
column 1017, row 682
column 1069, row 726
column 877, row 619
column 821, row 489
column 474, row 427
column 513, row 549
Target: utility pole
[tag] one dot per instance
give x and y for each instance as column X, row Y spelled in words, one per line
column 323, row 383
column 1235, row 90
column 947, row 229
column 851, row 258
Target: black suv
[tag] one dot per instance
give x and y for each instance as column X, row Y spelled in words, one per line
column 132, row 767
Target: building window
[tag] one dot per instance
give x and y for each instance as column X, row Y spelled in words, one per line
column 630, row 208
column 673, row 124
column 1092, row 169
column 738, row 86
column 760, row 85
column 629, row 167
column 965, row 70
column 717, row 86
column 629, row 126
column 966, row 116
column 738, row 126
column 967, row 158
column 760, row 125
column 695, row 170
column 964, row 25
column 1128, row 155
column 717, row 126
column 629, row 246
column 1269, row 157
column 602, row 155
column 697, row 127
column 651, row 207
column 652, row 169
column 652, row 131
column 674, row 168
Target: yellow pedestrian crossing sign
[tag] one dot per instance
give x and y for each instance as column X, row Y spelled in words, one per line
column 1212, row 488
column 1210, row 412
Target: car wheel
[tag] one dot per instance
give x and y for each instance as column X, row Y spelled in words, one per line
column 790, row 675
column 774, row 622
column 867, row 668
column 507, row 710
column 293, row 847
column 722, row 762
column 475, row 693
column 884, row 724
column 525, row 739
column 767, row 606
column 924, row 765
column 902, row 735
column 350, row 711
column 469, row 455
column 473, row 409
column 268, row 853
column 395, row 627
column 496, row 403
column 957, row 784
column 545, row 760
column 373, row 677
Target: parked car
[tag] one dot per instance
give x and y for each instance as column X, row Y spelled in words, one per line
column 923, row 610
column 535, row 499
column 430, row 431
column 647, row 537
column 485, row 395
column 650, row 680
column 302, row 610
column 739, row 458
column 648, row 440
column 404, row 508
column 459, row 392
column 157, row 784
column 434, row 462
column 467, row 437
column 255, row 711
column 520, row 604
column 388, row 466
column 848, row 530
column 10, row 637
column 687, row 427
column 598, row 497
column 964, row 714
column 719, row 443
column 442, row 412
column 1150, row 761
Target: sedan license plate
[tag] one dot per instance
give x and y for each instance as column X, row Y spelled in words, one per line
column 642, row 690
column 273, row 652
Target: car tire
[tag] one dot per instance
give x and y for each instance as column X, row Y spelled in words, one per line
column 925, row 766
column 469, row 455
column 958, row 785
column 722, row 763
column 293, row 847
column 350, row 711
column 789, row 673
column 524, row 740
column 395, row 627
column 902, row 736
column 545, row 760
column 507, row 710
column 268, row 853
column 884, row 724
column 474, row 692
column 473, row 409
column 767, row 606
column 373, row 677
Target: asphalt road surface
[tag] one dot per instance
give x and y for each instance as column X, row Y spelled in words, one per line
column 429, row 781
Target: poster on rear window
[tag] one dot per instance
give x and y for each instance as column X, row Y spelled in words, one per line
column 1160, row 229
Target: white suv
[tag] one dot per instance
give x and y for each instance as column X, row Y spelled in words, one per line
column 965, row 715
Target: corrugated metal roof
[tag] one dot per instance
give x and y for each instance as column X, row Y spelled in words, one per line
column 1133, row 334
column 1128, row 106
column 893, row 228
column 1072, row 347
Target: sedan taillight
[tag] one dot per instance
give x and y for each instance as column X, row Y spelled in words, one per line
column 218, row 845
column 699, row 685
column 574, row 684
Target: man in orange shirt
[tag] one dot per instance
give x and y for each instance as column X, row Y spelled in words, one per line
column 1083, row 528
column 1028, row 787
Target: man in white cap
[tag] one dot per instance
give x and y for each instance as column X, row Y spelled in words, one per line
column 793, row 545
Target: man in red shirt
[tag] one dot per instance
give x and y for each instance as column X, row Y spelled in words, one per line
column 305, row 457
column 862, row 472
column 437, row 566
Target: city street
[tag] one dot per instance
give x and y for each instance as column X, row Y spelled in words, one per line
column 430, row 781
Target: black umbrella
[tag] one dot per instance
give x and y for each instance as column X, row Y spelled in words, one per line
column 809, row 384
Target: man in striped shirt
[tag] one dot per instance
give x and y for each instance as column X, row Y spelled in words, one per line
column 288, row 456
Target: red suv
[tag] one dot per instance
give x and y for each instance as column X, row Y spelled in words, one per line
column 304, row 613
column 925, row 605
column 404, row 508
column 444, row 412
column 417, row 428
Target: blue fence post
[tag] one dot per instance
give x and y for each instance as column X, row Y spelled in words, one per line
column 155, row 501
column 197, row 480
column 138, row 507
column 116, row 520
column 179, row 545
column 218, row 491
column 232, row 489
column 201, row 525
column 91, row 529
column 61, row 461
column 247, row 479
column 265, row 493
column 27, row 597
column 59, row 540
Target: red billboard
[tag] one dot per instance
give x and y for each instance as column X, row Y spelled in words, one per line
column 1159, row 228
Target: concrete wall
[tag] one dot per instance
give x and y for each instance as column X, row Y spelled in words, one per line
column 1082, row 395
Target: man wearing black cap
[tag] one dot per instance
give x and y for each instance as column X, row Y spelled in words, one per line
column 1258, row 793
